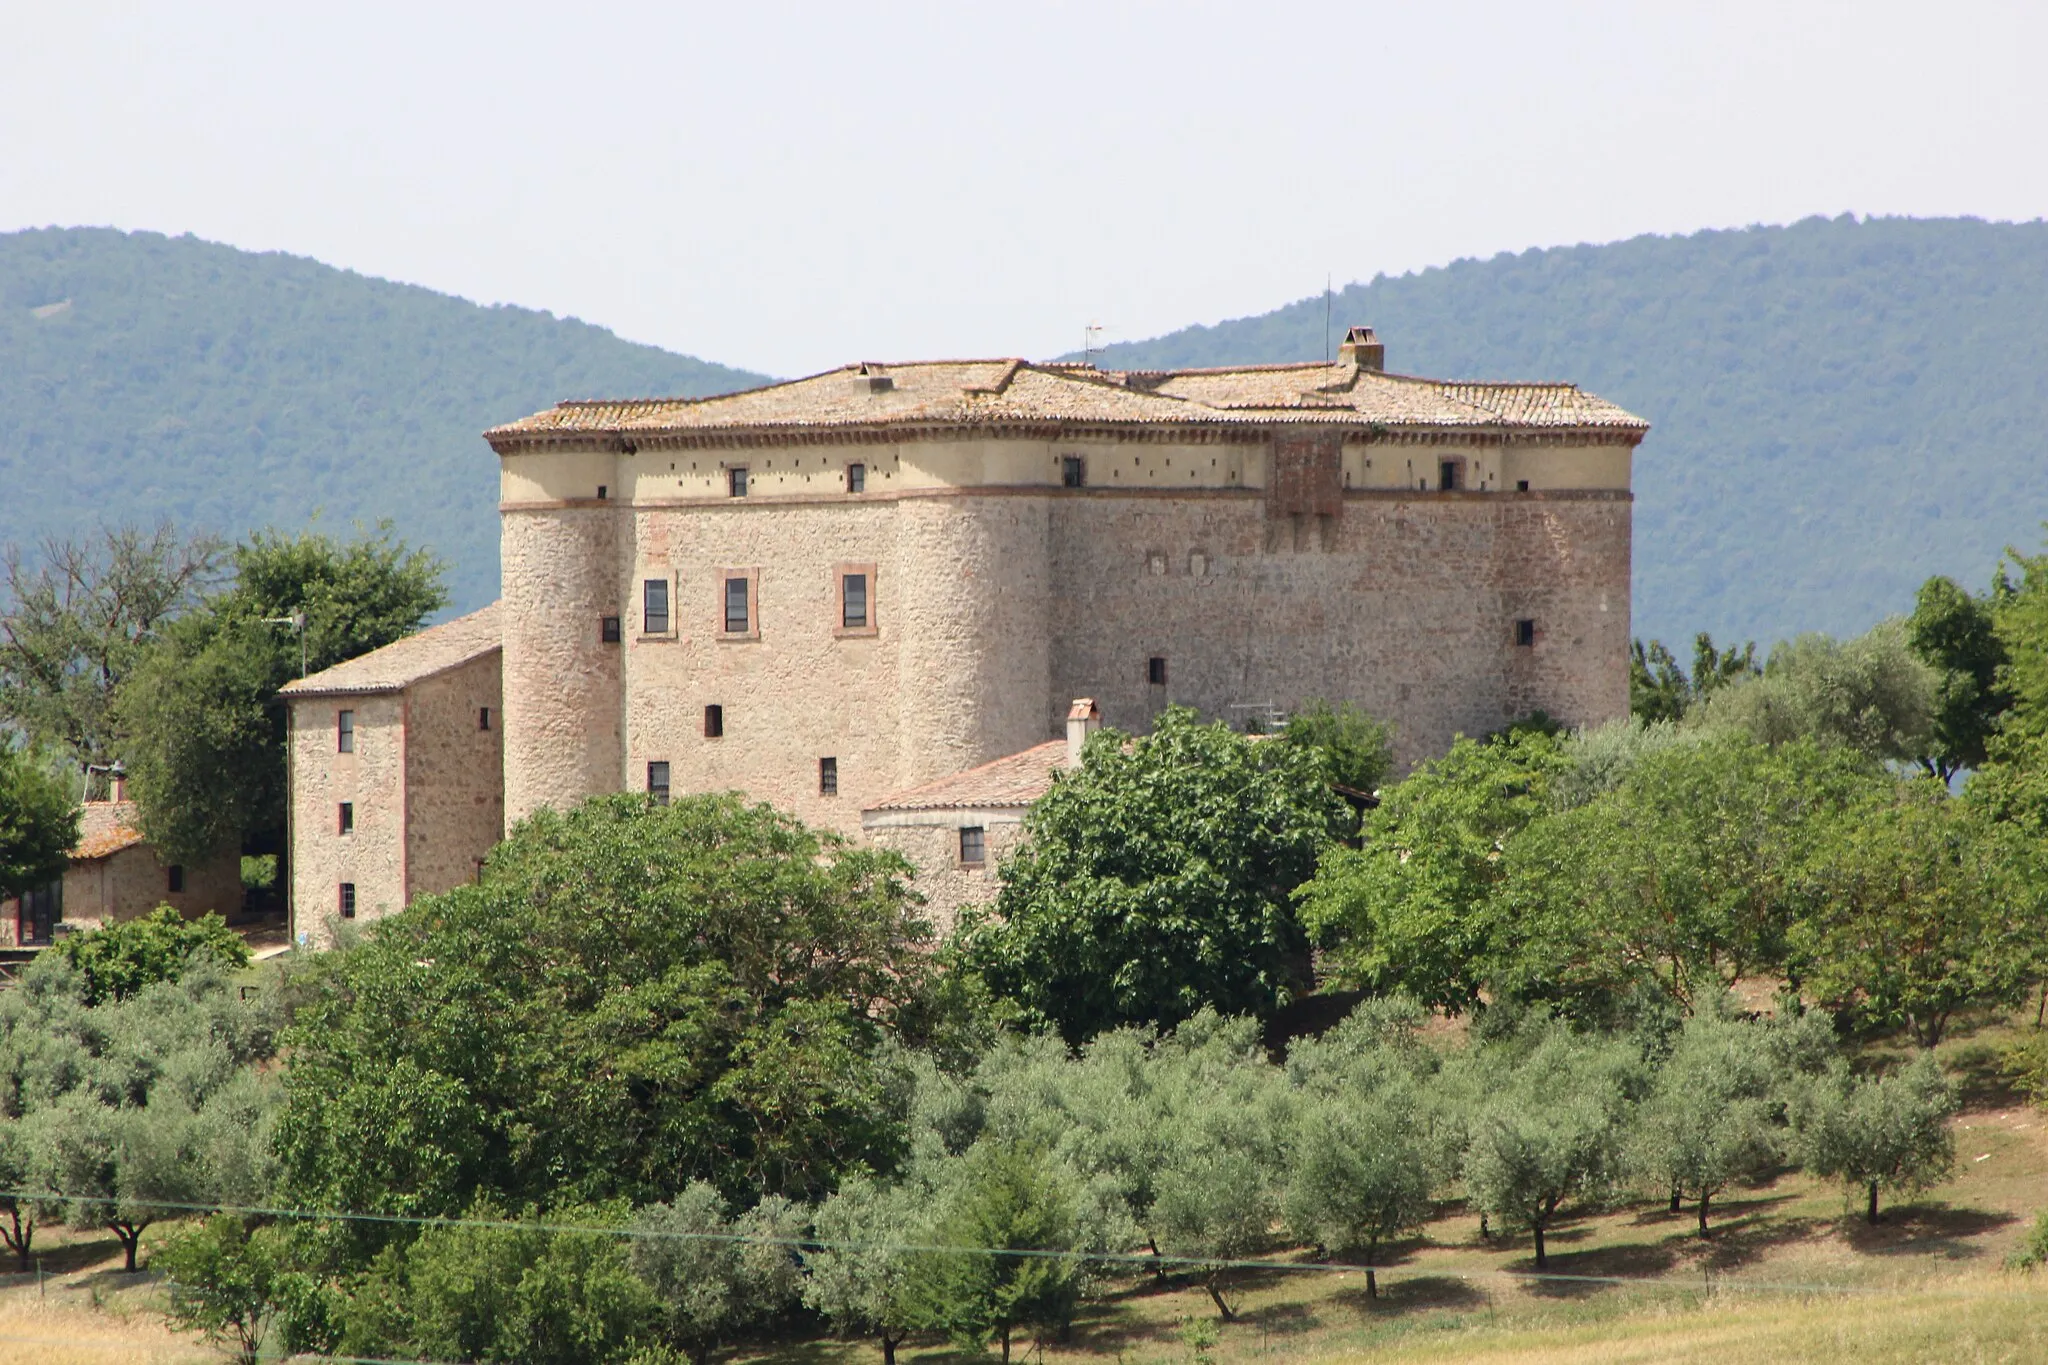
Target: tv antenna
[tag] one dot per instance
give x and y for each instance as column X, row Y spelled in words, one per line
column 1327, row 281
column 1091, row 337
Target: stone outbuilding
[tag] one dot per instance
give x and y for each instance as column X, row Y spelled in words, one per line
column 116, row 874
column 397, row 774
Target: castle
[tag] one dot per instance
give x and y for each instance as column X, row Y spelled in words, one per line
column 871, row 597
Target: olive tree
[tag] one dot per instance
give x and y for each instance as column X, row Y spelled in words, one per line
column 1886, row 1132
column 1709, row 1118
column 864, row 1239
column 715, row 1274
column 1358, row 1175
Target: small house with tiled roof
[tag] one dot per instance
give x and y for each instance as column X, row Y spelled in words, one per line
column 116, row 874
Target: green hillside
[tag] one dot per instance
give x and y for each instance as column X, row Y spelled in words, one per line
column 144, row 375
column 1841, row 408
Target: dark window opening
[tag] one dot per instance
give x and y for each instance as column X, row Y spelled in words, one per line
column 603, row 492
column 1155, row 670
column 1521, row 485
column 657, row 782
column 347, row 817
column 853, row 601
column 736, row 481
column 1450, row 475
column 654, row 606
column 856, row 478
column 1073, row 471
column 714, row 722
column 736, row 606
column 828, row 777
column 973, row 846
column 344, row 732
column 348, row 900
column 608, row 630
column 41, row 909
column 1525, row 633
column 483, row 717
column 177, row 878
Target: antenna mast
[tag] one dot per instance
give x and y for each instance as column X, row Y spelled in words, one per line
column 1327, row 280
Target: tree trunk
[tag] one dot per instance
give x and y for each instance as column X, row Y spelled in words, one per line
column 1217, row 1294
column 1704, row 1197
column 889, row 1348
column 19, row 1237
column 1485, row 1231
column 1872, row 1215
column 1372, row 1284
column 1158, row 1263
column 130, row 1237
column 1674, row 1198
column 1006, row 1346
column 1542, row 1262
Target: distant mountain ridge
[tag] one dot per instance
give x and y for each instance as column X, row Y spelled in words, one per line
column 144, row 376
column 1840, row 407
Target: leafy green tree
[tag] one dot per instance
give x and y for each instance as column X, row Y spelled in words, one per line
column 1414, row 908
column 1010, row 1217
column 121, row 1169
column 1157, row 880
column 631, row 997
column 1355, row 750
column 223, row 1282
column 1956, row 634
column 117, row 960
column 1358, row 1175
column 716, row 1275
column 202, row 729
column 76, row 621
column 1872, row 694
column 1554, row 1134
column 1917, row 906
column 1658, row 688
column 1710, row 1118
column 1871, row 1133
column 38, row 823
column 859, row 1272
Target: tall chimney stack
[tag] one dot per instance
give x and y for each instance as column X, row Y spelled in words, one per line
column 1363, row 349
column 1084, row 718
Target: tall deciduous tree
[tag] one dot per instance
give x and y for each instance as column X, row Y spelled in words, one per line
column 78, row 618
column 38, row 822
column 1872, row 693
column 1955, row 633
column 201, row 726
column 1158, row 879
column 1660, row 690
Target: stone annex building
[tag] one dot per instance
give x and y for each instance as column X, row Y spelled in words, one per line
column 871, row 597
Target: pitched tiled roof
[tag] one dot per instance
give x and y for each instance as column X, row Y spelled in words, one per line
column 434, row 650
column 971, row 392
column 1017, row 780
column 106, row 827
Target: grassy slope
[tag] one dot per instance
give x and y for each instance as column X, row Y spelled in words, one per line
column 230, row 390
column 1841, row 408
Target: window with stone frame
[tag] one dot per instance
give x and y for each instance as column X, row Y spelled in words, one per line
column 348, row 900
column 654, row 616
column 856, row 478
column 828, row 777
column 657, row 781
column 973, row 846
column 344, row 731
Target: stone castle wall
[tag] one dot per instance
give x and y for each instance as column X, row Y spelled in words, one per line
column 455, row 775
column 562, row 688
column 372, row 857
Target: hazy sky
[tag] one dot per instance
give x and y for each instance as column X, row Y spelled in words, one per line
column 789, row 187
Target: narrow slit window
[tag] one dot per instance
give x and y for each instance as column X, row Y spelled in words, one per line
column 856, row 478
column 657, row 781
column 344, row 732
column 348, row 900
column 654, row 606
column 853, row 601
column 483, row 717
column 1525, row 633
column 828, row 777
column 736, row 481
column 346, row 817
column 737, row 615
column 973, row 846
column 714, row 722
column 176, row 879
column 1155, row 670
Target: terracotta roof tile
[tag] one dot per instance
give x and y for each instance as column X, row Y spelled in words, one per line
column 968, row 392
column 104, row 828
column 402, row 662
column 1017, row 780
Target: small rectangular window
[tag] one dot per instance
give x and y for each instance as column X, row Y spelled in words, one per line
column 1521, row 485
column 736, row 614
column 344, row 732
column 348, row 900
column 736, row 481
column 177, row 878
column 973, row 847
column 853, row 601
column 1525, row 633
column 654, row 606
column 483, row 717
column 714, row 722
column 608, row 630
column 657, row 782
column 603, row 492
column 1450, row 475
column 856, row 478
column 346, row 819
column 1155, row 670
column 828, row 777
column 1073, row 471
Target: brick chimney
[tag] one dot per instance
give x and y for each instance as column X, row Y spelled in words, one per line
column 1363, row 349
column 120, row 786
column 1084, row 718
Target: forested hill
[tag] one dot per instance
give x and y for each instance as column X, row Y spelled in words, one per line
column 1841, row 408
column 145, row 376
